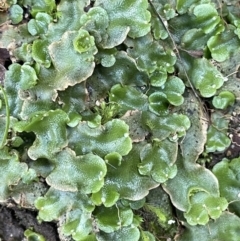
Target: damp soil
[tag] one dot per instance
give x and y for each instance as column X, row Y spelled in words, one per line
column 14, row 221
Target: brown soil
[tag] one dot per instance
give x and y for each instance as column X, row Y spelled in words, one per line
column 14, row 221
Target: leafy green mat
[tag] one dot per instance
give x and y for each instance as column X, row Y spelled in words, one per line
column 110, row 112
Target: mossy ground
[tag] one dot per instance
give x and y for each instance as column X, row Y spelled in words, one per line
column 127, row 141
